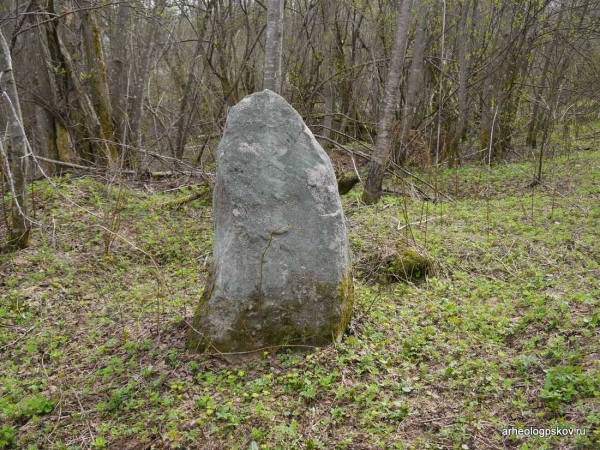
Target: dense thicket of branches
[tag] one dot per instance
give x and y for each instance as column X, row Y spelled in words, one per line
column 103, row 82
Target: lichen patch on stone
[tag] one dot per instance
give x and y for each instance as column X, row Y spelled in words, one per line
column 253, row 148
column 317, row 175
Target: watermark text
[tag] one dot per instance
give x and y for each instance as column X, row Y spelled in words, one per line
column 543, row 432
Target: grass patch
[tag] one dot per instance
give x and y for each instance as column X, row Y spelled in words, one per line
column 504, row 333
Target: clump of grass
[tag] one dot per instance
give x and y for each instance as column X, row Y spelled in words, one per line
column 502, row 333
column 346, row 182
column 397, row 263
column 412, row 264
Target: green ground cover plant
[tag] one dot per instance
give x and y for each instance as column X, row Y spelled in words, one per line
column 504, row 333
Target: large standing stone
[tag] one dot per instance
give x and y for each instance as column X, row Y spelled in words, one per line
column 282, row 270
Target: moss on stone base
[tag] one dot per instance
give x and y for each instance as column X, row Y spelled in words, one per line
column 255, row 329
column 195, row 339
column 346, row 293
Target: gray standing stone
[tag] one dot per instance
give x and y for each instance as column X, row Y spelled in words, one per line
column 281, row 269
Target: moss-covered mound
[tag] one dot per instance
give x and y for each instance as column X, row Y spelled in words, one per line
column 393, row 263
column 411, row 265
column 346, row 182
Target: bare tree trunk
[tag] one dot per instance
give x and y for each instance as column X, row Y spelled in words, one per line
column 137, row 94
column 329, row 92
column 413, row 84
column 17, row 173
column 54, row 95
column 534, row 125
column 381, row 152
column 99, row 84
column 46, row 137
column 549, row 118
column 463, row 46
column 182, row 122
column 119, row 73
column 537, row 114
column 273, row 47
column 86, row 109
column 225, row 71
column 540, row 163
column 329, row 88
column 45, row 126
column 138, row 85
column 347, row 86
column 487, row 116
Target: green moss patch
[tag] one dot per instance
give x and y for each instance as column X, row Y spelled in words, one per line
column 346, row 182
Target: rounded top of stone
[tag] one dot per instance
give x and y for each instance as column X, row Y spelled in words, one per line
column 265, row 92
column 264, row 108
column 261, row 96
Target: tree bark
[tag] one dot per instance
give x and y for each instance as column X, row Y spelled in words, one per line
column 273, row 46
column 45, row 126
column 463, row 51
column 86, row 111
column 17, row 173
column 329, row 88
column 119, row 74
column 182, row 122
column 537, row 113
column 381, row 152
column 100, row 94
column 138, row 85
column 413, row 84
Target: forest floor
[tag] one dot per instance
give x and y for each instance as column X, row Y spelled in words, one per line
column 503, row 334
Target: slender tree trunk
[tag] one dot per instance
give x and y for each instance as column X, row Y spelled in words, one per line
column 544, row 143
column 225, row 54
column 58, row 101
column 509, row 89
column 548, row 119
column 181, row 119
column 100, row 94
column 347, row 87
column 381, row 152
column 463, row 51
column 487, row 116
column 273, row 46
column 537, row 114
column 137, row 91
column 45, row 126
column 86, row 109
column 182, row 122
column 329, row 88
column 119, row 74
column 413, row 85
column 17, row 173
column 46, row 137
column 329, row 92
column 531, row 140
